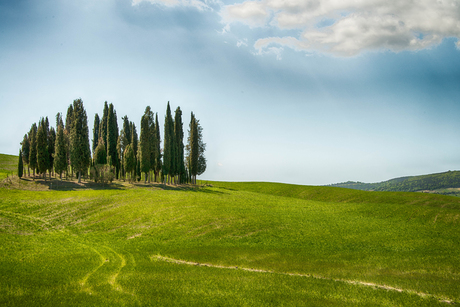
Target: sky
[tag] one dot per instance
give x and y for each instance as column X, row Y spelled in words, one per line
column 307, row 92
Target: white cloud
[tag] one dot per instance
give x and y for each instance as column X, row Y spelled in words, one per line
column 355, row 25
column 200, row 5
column 243, row 42
column 252, row 13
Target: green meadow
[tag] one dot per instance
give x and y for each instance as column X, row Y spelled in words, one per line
column 227, row 244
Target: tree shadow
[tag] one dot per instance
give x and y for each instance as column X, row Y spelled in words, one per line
column 66, row 185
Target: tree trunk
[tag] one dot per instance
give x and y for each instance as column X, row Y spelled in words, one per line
column 79, row 177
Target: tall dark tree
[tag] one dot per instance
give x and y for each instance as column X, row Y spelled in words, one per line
column 151, row 138
column 112, row 136
column 157, row 149
column 145, row 147
column 130, row 161
column 127, row 135
column 134, row 138
column 60, row 152
column 201, row 166
column 100, row 154
column 95, row 133
column 169, row 146
column 25, row 152
column 20, row 164
column 68, row 127
column 103, row 123
column 179, row 142
column 68, row 119
column 80, row 148
column 59, row 121
column 42, row 148
column 33, row 148
column 51, row 147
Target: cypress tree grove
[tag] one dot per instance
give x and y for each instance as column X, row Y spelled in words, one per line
column 20, row 165
column 127, row 138
column 179, row 138
column 25, row 152
column 33, row 148
column 60, row 152
column 79, row 137
column 144, row 147
column 157, row 149
column 95, row 132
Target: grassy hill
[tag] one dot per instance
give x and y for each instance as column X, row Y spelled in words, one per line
column 442, row 183
column 226, row 244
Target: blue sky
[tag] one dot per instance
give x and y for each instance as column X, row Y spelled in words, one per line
column 296, row 91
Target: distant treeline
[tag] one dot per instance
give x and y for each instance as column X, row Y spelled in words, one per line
column 114, row 153
column 450, row 179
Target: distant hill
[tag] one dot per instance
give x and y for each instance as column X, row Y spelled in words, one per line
column 441, row 183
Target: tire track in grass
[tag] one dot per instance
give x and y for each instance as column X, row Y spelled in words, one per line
column 352, row 282
column 105, row 257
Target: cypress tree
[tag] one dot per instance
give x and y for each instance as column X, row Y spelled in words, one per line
column 134, row 138
column 42, row 148
column 201, row 163
column 100, row 154
column 192, row 149
column 51, row 147
column 95, row 132
column 145, row 147
column 68, row 119
column 60, row 152
column 25, row 152
column 127, row 136
column 179, row 138
column 80, row 148
column 157, row 149
column 68, row 127
column 129, row 161
column 20, row 165
column 151, row 138
column 112, row 136
column 59, row 121
column 169, row 146
column 103, row 123
column 33, row 148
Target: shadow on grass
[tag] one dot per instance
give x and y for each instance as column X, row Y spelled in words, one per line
column 179, row 187
column 72, row 185
column 66, row 185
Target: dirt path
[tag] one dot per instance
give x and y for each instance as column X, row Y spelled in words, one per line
column 353, row 282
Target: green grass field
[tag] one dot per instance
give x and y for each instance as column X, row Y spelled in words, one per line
column 8, row 165
column 229, row 244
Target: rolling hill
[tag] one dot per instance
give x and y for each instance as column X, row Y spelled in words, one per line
column 442, row 183
column 227, row 244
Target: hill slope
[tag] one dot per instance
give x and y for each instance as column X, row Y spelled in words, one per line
column 8, row 165
column 432, row 182
column 306, row 245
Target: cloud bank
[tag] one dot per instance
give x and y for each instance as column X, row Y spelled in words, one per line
column 349, row 27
